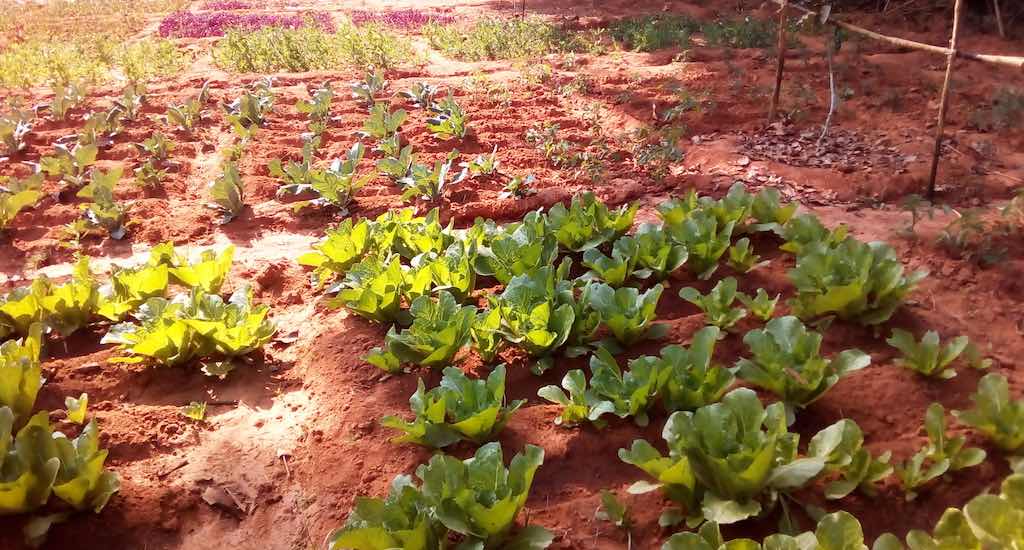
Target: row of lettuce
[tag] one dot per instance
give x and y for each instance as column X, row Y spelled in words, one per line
column 730, row 458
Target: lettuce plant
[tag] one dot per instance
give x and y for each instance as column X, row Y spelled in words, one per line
column 157, row 147
column 228, row 193
column 761, row 305
column 717, row 304
column 231, row 328
column 940, row 455
column 616, row 269
column 705, row 238
column 104, row 210
column 483, row 165
column 768, row 212
column 733, row 208
column 841, row 445
column 628, row 313
column 857, row 281
column 402, row 520
column 157, row 334
column 251, row 108
column 487, row 340
column 588, row 222
column 429, row 184
column 536, row 311
column 340, row 248
column 578, row 403
column 452, row 270
column 631, row 392
column 986, row 521
column 70, row 165
column 421, row 94
column 518, row 187
column 995, row 414
column 438, row 331
column 382, row 123
column 64, row 308
column 479, row 498
column 459, row 408
column 785, row 360
column 334, row 186
column 397, row 167
column 742, row 257
column 449, row 120
column 657, row 255
column 20, row 376
column 675, row 211
column 317, row 108
column 129, row 288
column 835, row 531
column 731, row 457
column 928, row 356
column 17, row 195
column 372, row 84
column 690, row 380
column 374, row 288
column 517, row 249
column 806, row 229
column 207, row 274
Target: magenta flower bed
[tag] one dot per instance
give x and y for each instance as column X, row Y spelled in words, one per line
column 403, row 19
column 185, row 24
column 226, row 5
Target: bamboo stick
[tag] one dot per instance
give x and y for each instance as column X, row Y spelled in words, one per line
column 1009, row 60
column 780, row 64
column 999, row 18
column 954, row 40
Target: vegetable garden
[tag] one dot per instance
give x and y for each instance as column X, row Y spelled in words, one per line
column 360, row 277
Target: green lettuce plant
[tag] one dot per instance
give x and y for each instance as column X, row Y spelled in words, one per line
column 536, row 311
column 657, row 255
column 429, row 184
column 940, row 455
column 17, row 195
column 768, row 213
column 841, row 445
column 856, row 281
column 207, row 274
column 835, row 531
column 578, row 402
column 449, row 120
column 706, row 239
column 616, row 269
column 631, row 392
column 70, row 165
column 761, row 305
column 928, row 356
column 438, row 331
column 402, row 520
column 995, row 414
column 806, row 229
column 459, row 408
column 333, row 186
column 742, row 257
column 785, row 360
column 628, row 313
column 986, row 521
column 20, row 376
column 690, row 380
column 485, row 335
column 717, row 304
column 340, row 248
column 517, row 249
column 588, row 222
column 382, row 123
column 128, row 288
column 227, row 193
column 374, row 288
column 104, row 211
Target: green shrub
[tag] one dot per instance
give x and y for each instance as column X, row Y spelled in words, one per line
column 500, row 39
column 650, row 33
column 304, row 49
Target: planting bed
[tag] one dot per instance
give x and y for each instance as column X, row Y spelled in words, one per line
column 292, row 438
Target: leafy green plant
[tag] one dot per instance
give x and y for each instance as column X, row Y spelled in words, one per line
column 129, row 288
column 17, row 195
column 986, row 521
column 650, row 33
column 190, row 113
column 717, row 304
column 427, row 184
column 483, row 165
column 70, row 165
column 841, row 445
column 104, row 210
column 459, row 408
column 438, row 331
column 251, row 108
column 806, row 229
column 628, row 313
column 705, row 239
column 64, row 308
column 366, row 90
column 451, row 270
column 20, row 375
column 497, row 38
column 761, row 305
column 317, row 108
column 928, row 356
column 132, row 99
column 579, row 404
column 517, row 249
column 689, row 378
column 616, row 269
column 397, row 167
column 742, row 257
column 614, row 511
column 157, row 146
column 940, row 455
column 100, row 128
column 588, row 222
column 207, row 274
column 13, row 130
column 727, row 461
column 657, row 255
column 64, row 99
column 382, row 123
column 785, row 360
column 476, row 499
column 631, row 392
column 450, row 121
column 333, row 186
column 487, row 340
column 857, row 281
column 838, row 530
column 536, row 311
column 228, row 193
column 339, row 250
column 768, row 212
column 518, row 187
column 420, row 94
column 374, row 288
column 995, row 414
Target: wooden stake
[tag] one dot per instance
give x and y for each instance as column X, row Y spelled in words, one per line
column 780, row 65
column 999, row 18
column 944, row 98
